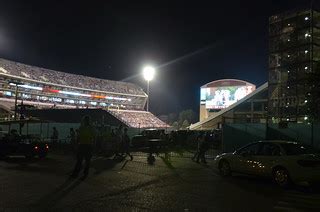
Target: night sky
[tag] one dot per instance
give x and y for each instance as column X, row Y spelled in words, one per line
column 222, row 39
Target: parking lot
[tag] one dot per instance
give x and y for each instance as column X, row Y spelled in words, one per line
column 176, row 183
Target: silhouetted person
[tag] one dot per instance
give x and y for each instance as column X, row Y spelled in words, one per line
column 73, row 143
column 203, row 148
column 126, row 143
column 85, row 147
column 199, row 141
column 55, row 136
column 118, row 140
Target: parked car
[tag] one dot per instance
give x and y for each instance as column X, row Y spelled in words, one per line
column 285, row 162
column 28, row 146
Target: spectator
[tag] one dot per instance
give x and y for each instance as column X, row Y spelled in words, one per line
column 204, row 146
column 85, row 141
column 126, row 144
column 54, row 136
column 72, row 136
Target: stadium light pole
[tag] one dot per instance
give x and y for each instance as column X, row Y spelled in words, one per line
column 16, row 84
column 148, row 74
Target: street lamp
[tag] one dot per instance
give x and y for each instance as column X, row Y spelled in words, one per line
column 148, row 74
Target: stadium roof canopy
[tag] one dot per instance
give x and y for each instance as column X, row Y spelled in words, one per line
column 56, row 78
column 211, row 120
column 227, row 82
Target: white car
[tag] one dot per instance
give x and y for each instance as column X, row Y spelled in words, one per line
column 284, row 161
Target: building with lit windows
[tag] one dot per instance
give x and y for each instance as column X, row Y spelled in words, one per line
column 43, row 88
column 294, row 55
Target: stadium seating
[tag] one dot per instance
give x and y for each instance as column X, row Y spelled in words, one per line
column 61, row 78
column 129, row 111
column 138, row 119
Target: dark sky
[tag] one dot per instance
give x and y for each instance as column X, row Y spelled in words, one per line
column 114, row 41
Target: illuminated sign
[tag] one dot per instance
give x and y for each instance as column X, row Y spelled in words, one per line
column 70, row 92
column 224, row 96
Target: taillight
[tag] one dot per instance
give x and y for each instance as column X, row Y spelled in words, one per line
column 47, row 147
column 309, row 163
column 36, row 147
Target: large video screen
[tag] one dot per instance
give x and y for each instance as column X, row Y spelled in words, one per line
column 223, row 97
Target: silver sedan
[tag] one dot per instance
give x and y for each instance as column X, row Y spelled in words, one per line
column 285, row 162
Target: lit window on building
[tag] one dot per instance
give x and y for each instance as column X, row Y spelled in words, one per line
column 7, row 93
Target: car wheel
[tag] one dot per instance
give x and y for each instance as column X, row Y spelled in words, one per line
column 281, row 177
column 224, row 168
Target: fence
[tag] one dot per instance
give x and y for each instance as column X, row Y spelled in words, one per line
column 238, row 135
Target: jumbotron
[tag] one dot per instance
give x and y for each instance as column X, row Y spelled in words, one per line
column 44, row 88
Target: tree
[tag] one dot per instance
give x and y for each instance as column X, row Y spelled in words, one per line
column 175, row 125
column 172, row 117
column 188, row 115
column 185, row 124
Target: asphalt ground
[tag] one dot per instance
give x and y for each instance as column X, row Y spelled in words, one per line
column 173, row 183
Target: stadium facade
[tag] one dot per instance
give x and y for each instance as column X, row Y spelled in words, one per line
column 287, row 106
column 220, row 94
column 250, row 109
column 42, row 88
column 294, row 56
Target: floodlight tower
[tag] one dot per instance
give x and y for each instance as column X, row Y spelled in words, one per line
column 148, row 74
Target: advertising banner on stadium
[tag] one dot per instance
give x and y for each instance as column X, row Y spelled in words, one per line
column 222, row 97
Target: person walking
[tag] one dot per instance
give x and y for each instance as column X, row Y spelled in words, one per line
column 119, row 143
column 73, row 143
column 126, row 144
column 54, row 136
column 204, row 145
column 199, row 140
column 85, row 147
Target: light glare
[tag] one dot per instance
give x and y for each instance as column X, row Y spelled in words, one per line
column 148, row 73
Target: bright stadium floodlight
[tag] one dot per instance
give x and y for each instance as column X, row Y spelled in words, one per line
column 148, row 74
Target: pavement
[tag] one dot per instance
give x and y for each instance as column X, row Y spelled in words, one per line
column 170, row 184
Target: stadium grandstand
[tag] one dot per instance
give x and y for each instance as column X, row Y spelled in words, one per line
column 43, row 88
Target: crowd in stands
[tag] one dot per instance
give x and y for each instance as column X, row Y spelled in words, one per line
column 8, row 104
column 139, row 119
column 61, row 78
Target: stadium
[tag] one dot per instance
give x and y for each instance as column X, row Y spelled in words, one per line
column 49, row 90
column 220, row 94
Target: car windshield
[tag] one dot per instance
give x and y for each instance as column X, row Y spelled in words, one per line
column 297, row 149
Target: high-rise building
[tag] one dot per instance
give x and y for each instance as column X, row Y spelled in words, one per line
column 294, row 66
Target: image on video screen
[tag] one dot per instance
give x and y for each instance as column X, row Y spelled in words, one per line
column 222, row 97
